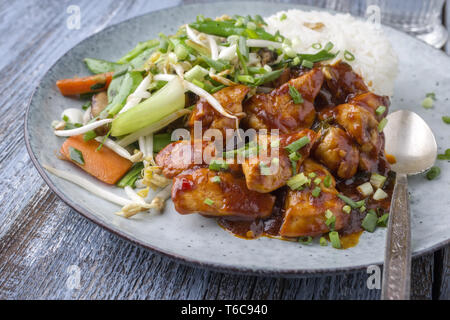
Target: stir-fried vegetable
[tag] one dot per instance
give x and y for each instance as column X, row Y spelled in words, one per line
column 75, row 86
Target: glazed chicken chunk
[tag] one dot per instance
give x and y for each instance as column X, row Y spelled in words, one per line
column 277, row 110
column 306, row 215
column 230, row 99
column 219, row 194
column 370, row 101
column 277, row 172
column 336, row 150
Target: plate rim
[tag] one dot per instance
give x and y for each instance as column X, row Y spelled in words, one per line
column 220, row 267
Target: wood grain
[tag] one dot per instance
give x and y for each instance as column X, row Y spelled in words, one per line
column 41, row 238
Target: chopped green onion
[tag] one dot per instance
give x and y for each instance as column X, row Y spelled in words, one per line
column 296, row 61
column 288, row 51
column 323, row 242
column 198, row 83
column 161, row 140
column 298, row 144
column 446, row 119
column 317, row 46
column 218, row 65
column 362, row 209
column 334, row 238
column 218, row 164
column 268, row 77
column 86, row 105
column 316, row 192
column 76, row 155
column 377, row 180
column 251, row 25
column 445, row 155
column 369, row 222
column 197, row 72
column 380, row 110
column 331, row 219
column 305, row 240
column 380, row 195
column 329, row 46
column 431, row 95
column 283, row 17
column 317, row 181
column 361, row 203
column 264, row 169
column 383, row 220
column 243, row 48
column 245, row 78
column 348, row 55
column 89, row 135
column 294, row 156
column 208, row 201
column 327, row 181
column 130, row 178
column 312, row 175
column 365, row 189
column 433, row 173
column 349, row 201
column 297, row 181
column 382, row 124
column 295, row 95
column 181, row 52
column 307, row 64
column 216, row 179
column 427, row 103
column 347, row 209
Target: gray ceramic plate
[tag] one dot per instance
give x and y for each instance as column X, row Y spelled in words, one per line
column 200, row 241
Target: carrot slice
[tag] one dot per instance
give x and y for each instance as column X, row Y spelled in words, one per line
column 104, row 164
column 95, row 83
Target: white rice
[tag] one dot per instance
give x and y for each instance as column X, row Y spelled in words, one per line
column 374, row 60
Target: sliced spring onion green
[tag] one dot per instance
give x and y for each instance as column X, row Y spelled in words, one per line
column 316, row 192
column 365, row 189
column 283, row 17
column 379, row 195
column 427, row 103
column 76, row 155
column 331, row 219
column 268, row 77
column 380, row 110
column 383, row 220
column 362, row 209
column 208, row 201
column 245, row 78
column 369, row 222
column 347, row 209
column 431, row 95
column 327, row 181
column 433, row 173
column 130, row 178
column 307, row 64
column 295, row 95
column 312, row 175
column 329, row 46
column 317, row 181
column 349, row 201
column 296, row 61
column 317, row 46
column 218, row 164
column 323, row 242
column 334, row 238
column 264, row 169
column 216, row 179
column 298, row 181
column 181, row 52
column 348, row 55
column 305, row 240
column 294, row 156
column 98, row 66
column 382, row 124
column 141, row 46
column 89, row 135
column 161, row 140
column 298, row 144
column 446, row 119
column 377, row 180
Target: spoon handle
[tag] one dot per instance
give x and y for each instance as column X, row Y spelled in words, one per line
column 397, row 260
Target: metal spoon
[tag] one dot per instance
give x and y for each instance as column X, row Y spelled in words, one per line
column 412, row 143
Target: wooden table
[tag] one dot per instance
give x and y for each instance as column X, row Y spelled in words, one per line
column 42, row 239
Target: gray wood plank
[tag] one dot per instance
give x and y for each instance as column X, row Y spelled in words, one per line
column 41, row 237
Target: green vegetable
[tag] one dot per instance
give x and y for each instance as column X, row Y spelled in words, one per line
column 128, row 85
column 298, row 144
column 327, row 181
column 312, row 175
column 349, row 201
column 86, row 105
column 245, row 78
column 383, row 220
column 197, row 73
column 130, row 178
column 268, row 77
column 243, row 49
column 380, row 110
column 160, row 141
column 433, row 173
column 227, row 28
column 298, row 181
column 163, row 103
column 198, row 49
column 218, row 164
column 307, row 64
column 181, row 51
column 283, row 17
column 208, row 201
column 305, row 240
column 334, row 238
column 427, row 103
column 369, row 222
column 218, row 65
column 295, row 95
column 317, row 181
column 323, row 242
column 316, row 192
column 89, row 135
column 139, row 61
column 264, row 169
column 347, row 209
column 216, row 179
column 446, row 119
column 445, row 155
column 331, row 219
column 319, row 56
column 141, row 46
column 316, row 46
column 431, row 95
column 382, row 124
column 377, row 180
column 76, row 155
column 97, row 66
column 348, row 55
column 242, row 61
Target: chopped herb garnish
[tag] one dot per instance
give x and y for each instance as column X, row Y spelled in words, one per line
column 295, row 95
column 433, row 173
column 427, row 103
column 382, row 124
column 298, row 144
column 446, row 119
column 323, row 242
column 86, row 105
column 307, row 64
column 305, row 240
column 298, row 181
column 65, row 118
column 334, row 238
column 327, row 181
column 76, row 155
column 208, row 201
column 380, row 110
column 347, row 209
column 328, row 46
column 331, row 219
column 348, row 55
column 216, row 179
column 218, row 164
column 316, row 192
column 383, row 220
column 312, row 175
column 362, row 209
column 89, row 135
column 283, row 17
column 369, row 222
column 294, row 156
column 349, row 201
column 431, row 95
column 317, row 46
column 317, row 181
column 445, row 155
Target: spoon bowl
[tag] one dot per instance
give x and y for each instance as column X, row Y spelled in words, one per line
column 412, row 143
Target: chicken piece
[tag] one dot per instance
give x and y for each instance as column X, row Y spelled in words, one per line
column 341, row 81
column 370, row 101
column 337, row 152
column 231, row 100
column 277, row 172
column 277, row 110
column 182, row 155
column 195, row 191
column 362, row 126
column 305, row 214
